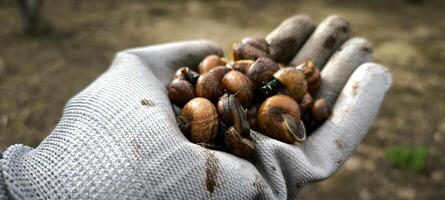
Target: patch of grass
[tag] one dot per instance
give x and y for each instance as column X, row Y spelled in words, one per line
column 411, row 158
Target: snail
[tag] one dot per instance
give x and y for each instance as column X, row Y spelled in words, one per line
column 250, row 49
column 199, row 121
column 321, row 110
column 237, row 135
column 241, row 65
column 316, row 114
column 180, row 92
column 306, row 102
column 312, row 76
column 236, row 82
column 209, row 84
column 232, row 113
column 210, row 62
column 262, row 71
column 279, row 118
column 288, row 78
column 238, row 145
column 185, row 73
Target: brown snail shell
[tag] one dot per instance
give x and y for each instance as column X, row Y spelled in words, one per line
column 238, row 145
column 250, row 49
column 306, row 102
column 209, row 84
column 233, row 114
column 210, row 62
column 279, row 118
column 242, row 65
column 180, row 92
column 321, row 110
column 199, row 120
column 294, row 82
column 312, row 76
column 237, row 83
column 262, row 71
column 224, row 109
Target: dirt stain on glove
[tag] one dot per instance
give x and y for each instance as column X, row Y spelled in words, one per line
column 340, row 144
column 329, row 43
column 146, row 102
column 355, row 88
column 212, row 168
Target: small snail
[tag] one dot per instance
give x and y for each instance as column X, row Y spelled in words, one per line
column 262, row 71
column 250, row 49
column 279, row 118
column 241, row 65
column 237, row 136
column 321, row 110
column 238, row 145
column 210, row 62
column 224, row 109
column 316, row 114
column 185, row 73
column 312, row 76
column 306, row 102
column 199, row 120
column 237, row 83
column 180, row 92
column 209, row 84
column 232, row 113
column 288, row 78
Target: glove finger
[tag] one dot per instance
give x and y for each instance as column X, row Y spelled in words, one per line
column 285, row 40
column 352, row 116
column 165, row 59
column 329, row 35
column 340, row 66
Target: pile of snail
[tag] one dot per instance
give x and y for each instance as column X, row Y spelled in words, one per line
column 222, row 101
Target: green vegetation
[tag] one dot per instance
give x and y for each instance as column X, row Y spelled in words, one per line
column 411, row 158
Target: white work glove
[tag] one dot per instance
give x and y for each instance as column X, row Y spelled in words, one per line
column 118, row 138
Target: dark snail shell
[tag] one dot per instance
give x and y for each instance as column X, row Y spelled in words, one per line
column 180, row 92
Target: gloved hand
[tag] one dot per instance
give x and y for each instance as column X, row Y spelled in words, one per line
column 119, row 139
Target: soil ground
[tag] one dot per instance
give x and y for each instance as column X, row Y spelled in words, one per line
column 39, row 74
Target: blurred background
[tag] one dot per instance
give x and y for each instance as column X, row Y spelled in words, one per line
column 42, row 66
